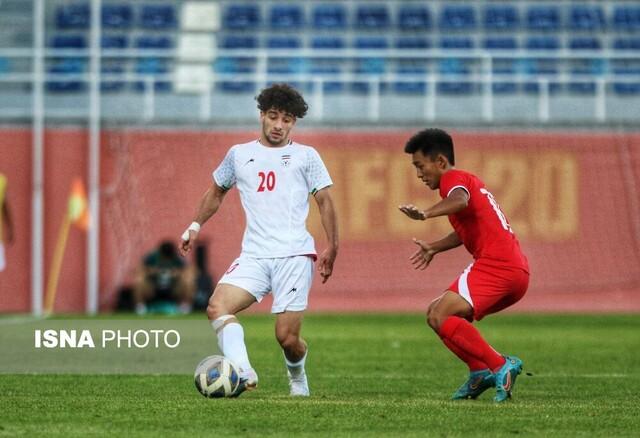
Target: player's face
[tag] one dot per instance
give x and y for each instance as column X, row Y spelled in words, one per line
column 429, row 170
column 276, row 126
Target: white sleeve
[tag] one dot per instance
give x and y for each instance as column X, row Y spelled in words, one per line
column 225, row 175
column 317, row 174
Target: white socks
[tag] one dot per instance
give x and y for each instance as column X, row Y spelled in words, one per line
column 296, row 369
column 231, row 341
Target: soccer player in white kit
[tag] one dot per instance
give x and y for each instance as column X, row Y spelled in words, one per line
column 275, row 177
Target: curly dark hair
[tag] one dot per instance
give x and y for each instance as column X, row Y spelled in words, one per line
column 282, row 97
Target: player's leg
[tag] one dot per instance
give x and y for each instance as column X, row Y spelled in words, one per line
column 447, row 316
column 142, row 292
column 245, row 282
column 513, row 290
column 291, row 279
column 227, row 300
column 473, row 363
column 288, row 325
column 185, row 288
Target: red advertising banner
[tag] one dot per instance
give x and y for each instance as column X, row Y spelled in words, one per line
column 571, row 198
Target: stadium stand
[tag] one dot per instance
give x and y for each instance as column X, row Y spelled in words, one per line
column 117, row 16
column 331, row 17
column 400, row 45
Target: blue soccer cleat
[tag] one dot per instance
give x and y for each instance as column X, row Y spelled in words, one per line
column 506, row 378
column 478, row 382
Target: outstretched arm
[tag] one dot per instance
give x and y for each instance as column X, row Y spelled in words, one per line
column 209, row 205
column 455, row 202
column 422, row 257
column 330, row 225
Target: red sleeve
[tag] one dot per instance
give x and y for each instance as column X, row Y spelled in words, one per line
column 451, row 180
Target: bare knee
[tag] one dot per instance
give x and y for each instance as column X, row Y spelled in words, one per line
column 435, row 318
column 215, row 309
column 434, row 321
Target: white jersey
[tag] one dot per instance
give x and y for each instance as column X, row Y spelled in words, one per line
column 274, row 185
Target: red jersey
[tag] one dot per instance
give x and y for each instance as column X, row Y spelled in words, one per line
column 482, row 226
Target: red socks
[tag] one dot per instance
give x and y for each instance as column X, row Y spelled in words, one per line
column 465, row 341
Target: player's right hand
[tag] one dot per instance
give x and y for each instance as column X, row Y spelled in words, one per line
column 422, row 257
column 186, row 245
column 412, row 211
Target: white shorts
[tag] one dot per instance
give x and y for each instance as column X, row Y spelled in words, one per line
column 3, row 262
column 289, row 278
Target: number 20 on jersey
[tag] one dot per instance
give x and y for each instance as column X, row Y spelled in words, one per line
column 267, row 181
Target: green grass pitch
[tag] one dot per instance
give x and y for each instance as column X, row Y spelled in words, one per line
column 370, row 375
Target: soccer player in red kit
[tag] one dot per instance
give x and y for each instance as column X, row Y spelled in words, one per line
column 497, row 278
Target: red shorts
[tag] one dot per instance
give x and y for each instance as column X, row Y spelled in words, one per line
column 489, row 288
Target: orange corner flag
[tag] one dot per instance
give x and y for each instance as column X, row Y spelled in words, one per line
column 78, row 205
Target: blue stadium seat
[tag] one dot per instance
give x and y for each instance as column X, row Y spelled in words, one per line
column 327, row 42
column 458, row 17
column 68, row 42
column 586, row 69
column 73, row 16
column 243, row 16
column 414, row 17
column 287, row 65
column 117, row 16
column 456, row 43
column 5, row 65
column 330, row 16
column 626, row 69
column 157, row 17
column 543, row 43
column 239, row 42
column 112, row 85
column 410, row 68
column 374, row 17
column 585, row 43
column 155, row 42
column 152, row 67
column 586, row 17
column 285, row 17
column 453, row 81
column 371, row 42
column 544, row 18
column 284, row 42
column 70, row 66
column 626, row 18
column 501, row 17
column 368, row 66
column 328, row 69
column 412, row 43
column 626, row 44
column 500, row 43
column 504, row 66
column 226, row 65
column 114, row 42
column 539, row 68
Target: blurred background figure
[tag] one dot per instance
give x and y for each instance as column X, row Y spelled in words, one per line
column 5, row 221
column 164, row 282
column 204, row 281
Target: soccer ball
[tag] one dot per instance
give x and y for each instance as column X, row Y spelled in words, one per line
column 216, row 376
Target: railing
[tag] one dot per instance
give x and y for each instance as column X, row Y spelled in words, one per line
column 481, row 77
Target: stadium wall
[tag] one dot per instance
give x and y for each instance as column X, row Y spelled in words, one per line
column 571, row 197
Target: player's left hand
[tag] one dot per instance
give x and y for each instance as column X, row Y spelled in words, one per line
column 412, row 211
column 325, row 263
column 422, row 257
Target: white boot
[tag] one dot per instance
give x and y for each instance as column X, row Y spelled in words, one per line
column 298, row 386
